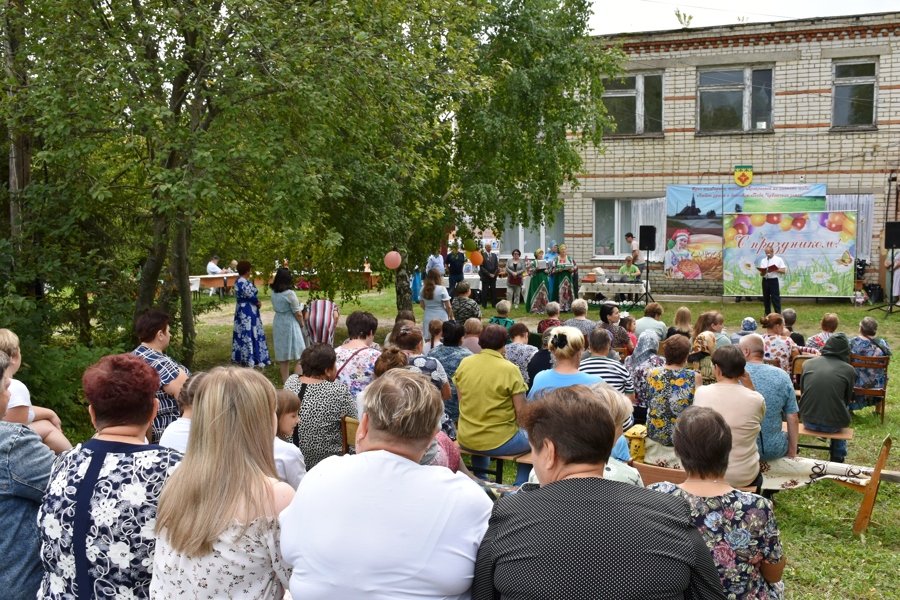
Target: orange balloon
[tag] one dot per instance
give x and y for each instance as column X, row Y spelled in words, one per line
column 476, row 257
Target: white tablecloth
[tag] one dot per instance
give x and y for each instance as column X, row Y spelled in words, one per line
column 610, row 289
column 475, row 283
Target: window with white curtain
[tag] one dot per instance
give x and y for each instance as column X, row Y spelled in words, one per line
column 612, row 220
column 529, row 240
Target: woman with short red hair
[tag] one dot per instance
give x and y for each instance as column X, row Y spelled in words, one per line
column 97, row 521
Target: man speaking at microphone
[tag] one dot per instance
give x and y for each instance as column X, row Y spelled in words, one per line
column 771, row 267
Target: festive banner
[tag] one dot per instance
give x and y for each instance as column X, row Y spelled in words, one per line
column 694, row 222
column 819, row 249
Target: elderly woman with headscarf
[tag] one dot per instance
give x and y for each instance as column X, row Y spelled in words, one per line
column 748, row 326
column 700, row 358
column 643, row 359
column 534, row 550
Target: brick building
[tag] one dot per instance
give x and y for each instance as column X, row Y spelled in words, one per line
column 806, row 101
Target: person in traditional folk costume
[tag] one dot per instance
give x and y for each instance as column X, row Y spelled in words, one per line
column 539, row 288
column 564, row 269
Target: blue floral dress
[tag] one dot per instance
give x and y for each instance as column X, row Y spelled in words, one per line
column 868, row 378
column 248, row 344
column 419, row 363
column 671, row 392
column 740, row 531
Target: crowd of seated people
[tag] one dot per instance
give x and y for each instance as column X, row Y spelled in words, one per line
column 249, row 493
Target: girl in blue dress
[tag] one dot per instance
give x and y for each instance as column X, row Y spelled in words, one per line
column 248, row 344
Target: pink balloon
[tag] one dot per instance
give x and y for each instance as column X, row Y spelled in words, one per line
column 742, row 219
column 392, row 259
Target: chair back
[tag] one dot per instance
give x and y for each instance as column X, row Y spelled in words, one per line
column 195, row 284
column 860, row 361
column 654, row 474
column 797, row 369
column 349, row 425
column 623, row 353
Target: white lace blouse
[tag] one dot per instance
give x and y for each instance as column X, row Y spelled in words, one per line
column 238, row 567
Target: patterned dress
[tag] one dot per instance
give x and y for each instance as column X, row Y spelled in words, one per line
column 642, row 390
column 450, row 357
column 817, row 342
column 428, row 365
column 565, row 282
column 779, row 348
column 240, row 566
column 323, row 405
column 740, row 530
column 672, row 391
column 360, row 371
column 868, row 378
column 97, row 521
column 248, row 343
column 538, row 290
column 548, row 324
column 168, row 371
column 464, row 309
column 519, row 355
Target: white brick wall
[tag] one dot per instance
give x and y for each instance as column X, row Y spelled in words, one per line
column 801, row 143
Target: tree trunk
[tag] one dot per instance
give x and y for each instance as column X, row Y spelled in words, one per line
column 84, row 319
column 403, row 288
column 181, row 282
column 20, row 142
column 156, row 256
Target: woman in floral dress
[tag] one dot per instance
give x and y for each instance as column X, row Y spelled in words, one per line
column 672, row 390
column 409, row 339
column 356, row 358
column 867, row 343
column 739, row 528
column 97, row 520
column 639, row 364
column 248, row 343
column 778, row 345
column 564, row 269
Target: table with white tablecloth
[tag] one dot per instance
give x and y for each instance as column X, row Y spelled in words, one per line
column 610, row 289
column 475, row 283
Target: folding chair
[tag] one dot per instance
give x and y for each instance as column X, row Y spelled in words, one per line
column 870, row 489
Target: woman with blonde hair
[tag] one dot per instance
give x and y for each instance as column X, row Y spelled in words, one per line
column 566, row 345
column 435, row 301
column 683, row 323
column 217, row 524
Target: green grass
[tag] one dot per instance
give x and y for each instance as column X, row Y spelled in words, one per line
column 825, row 560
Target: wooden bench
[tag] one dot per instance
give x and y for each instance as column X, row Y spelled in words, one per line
column 655, row 474
column 499, row 461
column 844, row 434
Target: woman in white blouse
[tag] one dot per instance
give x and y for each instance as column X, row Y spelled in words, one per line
column 217, row 522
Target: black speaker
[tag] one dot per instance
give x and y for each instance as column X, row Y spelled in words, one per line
column 647, row 241
column 892, row 235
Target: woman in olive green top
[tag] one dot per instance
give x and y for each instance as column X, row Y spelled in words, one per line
column 491, row 392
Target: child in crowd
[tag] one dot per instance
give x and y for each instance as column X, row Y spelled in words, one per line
column 289, row 460
column 435, row 326
column 178, row 431
column 42, row 421
column 502, row 317
column 630, row 324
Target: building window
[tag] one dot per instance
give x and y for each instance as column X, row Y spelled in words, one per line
column 529, row 240
column 635, row 103
column 734, row 100
column 612, row 220
column 854, row 94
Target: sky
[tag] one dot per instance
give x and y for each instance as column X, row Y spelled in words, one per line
column 619, row 16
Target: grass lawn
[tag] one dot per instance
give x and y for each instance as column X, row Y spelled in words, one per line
column 825, row 560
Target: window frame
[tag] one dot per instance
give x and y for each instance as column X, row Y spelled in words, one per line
column 617, row 220
column 746, row 87
column 873, row 80
column 520, row 241
column 638, row 94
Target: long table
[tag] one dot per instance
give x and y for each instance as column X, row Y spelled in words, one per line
column 610, row 289
column 474, row 282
